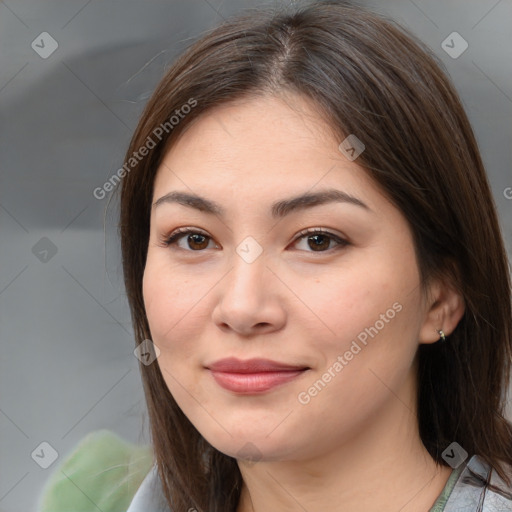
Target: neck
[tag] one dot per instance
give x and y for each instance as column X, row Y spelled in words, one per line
column 383, row 467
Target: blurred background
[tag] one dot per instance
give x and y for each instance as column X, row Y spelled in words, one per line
column 74, row 77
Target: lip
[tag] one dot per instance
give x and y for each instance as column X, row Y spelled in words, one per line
column 253, row 375
column 255, row 365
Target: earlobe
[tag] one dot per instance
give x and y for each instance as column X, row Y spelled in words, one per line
column 445, row 308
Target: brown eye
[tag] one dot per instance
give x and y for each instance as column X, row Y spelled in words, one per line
column 195, row 240
column 319, row 240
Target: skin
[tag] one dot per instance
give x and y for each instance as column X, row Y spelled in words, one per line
column 293, row 304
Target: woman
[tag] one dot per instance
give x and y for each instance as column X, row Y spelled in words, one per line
column 311, row 249
column 248, row 409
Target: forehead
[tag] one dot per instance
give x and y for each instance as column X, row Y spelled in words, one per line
column 258, row 142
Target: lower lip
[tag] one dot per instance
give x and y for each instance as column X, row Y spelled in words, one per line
column 254, row 382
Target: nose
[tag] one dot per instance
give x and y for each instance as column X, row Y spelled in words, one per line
column 250, row 300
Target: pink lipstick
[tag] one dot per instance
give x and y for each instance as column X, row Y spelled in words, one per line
column 253, row 375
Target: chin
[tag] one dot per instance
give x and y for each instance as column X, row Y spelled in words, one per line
column 251, row 445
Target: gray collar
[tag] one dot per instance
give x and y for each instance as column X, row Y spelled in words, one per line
column 149, row 497
column 468, row 493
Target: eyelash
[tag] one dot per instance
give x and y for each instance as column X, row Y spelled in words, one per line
column 171, row 239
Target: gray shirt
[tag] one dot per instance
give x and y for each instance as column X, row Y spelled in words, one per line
column 464, row 491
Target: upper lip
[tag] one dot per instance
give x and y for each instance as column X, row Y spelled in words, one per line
column 256, row 365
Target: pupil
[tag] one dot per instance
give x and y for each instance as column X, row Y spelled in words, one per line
column 317, row 245
column 191, row 237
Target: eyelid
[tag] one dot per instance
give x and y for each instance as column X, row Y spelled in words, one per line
column 322, row 231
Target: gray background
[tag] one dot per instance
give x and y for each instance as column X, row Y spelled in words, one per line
column 67, row 366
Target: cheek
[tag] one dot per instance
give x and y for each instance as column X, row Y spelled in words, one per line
column 172, row 310
column 346, row 301
column 171, row 300
column 371, row 316
column 375, row 333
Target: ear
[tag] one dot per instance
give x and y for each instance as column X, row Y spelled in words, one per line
column 444, row 309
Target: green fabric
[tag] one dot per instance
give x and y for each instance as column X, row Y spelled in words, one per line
column 445, row 494
column 102, row 473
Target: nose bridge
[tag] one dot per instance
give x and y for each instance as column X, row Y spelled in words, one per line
column 248, row 268
column 246, row 292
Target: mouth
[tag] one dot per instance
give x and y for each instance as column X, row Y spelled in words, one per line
column 253, row 376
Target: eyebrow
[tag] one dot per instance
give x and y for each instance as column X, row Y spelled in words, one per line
column 278, row 209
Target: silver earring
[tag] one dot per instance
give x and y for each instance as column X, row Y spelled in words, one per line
column 441, row 333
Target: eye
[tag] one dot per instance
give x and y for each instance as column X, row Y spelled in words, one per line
column 321, row 240
column 195, row 239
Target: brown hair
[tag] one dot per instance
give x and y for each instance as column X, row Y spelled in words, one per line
column 371, row 78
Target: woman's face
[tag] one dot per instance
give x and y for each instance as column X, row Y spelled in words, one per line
column 337, row 315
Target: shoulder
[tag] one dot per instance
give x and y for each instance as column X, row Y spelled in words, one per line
column 102, row 472
column 470, row 492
